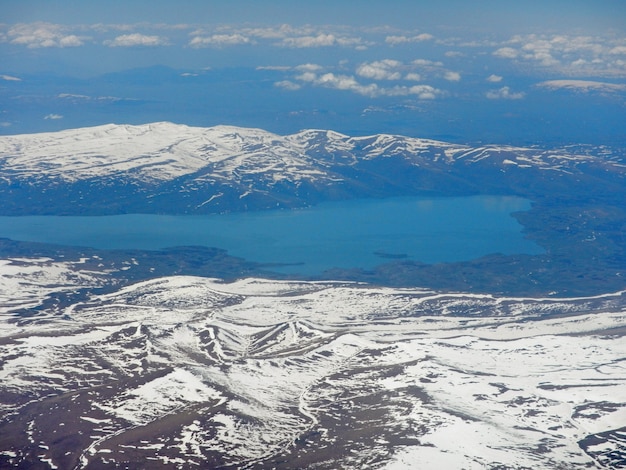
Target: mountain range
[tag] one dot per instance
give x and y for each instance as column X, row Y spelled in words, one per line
column 170, row 168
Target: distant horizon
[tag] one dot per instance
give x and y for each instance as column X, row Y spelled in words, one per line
column 532, row 74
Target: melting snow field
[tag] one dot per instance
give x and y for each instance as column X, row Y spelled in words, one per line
column 187, row 371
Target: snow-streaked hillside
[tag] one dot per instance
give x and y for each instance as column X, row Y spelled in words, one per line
column 165, row 167
column 152, row 152
column 183, row 371
column 164, row 151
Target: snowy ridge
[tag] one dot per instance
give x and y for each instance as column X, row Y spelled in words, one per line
column 159, row 151
column 165, row 150
column 254, row 373
column 227, row 168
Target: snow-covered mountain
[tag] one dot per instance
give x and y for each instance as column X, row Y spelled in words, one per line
column 165, row 167
column 109, row 359
column 182, row 371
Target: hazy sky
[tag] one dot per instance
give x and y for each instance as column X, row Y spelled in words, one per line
column 451, row 68
column 599, row 14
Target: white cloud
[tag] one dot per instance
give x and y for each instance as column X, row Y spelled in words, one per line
column 76, row 98
column 389, row 69
column 339, row 82
column 584, row 86
column 10, row 78
column 136, row 39
column 424, row 92
column 349, row 83
column 426, row 63
column 40, row 34
column 288, row 85
column 307, row 77
column 309, row 67
column 283, row 36
column 582, row 56
column 70, row 41
column 618, row 50
column 279, row 68
column 218, row 40
column 105, row 28
column 430, row 68
column 452, row 76
column 506, row 53
column 345, row 82
column 504, row 93
column 394, row 40
column 53, row 116
column 127, row 28
column 377, row 73
column 494, row 78
column 282, row 31
column 541, row 51
column 73, row 96
column 321, row 40
column 380, row 70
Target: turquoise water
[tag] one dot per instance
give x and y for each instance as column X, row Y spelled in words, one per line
column 360, row 233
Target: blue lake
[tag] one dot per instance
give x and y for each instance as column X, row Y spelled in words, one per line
column 359, row 233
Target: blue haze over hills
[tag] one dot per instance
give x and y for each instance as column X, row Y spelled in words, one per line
column 492, row 73
column 544, row 118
